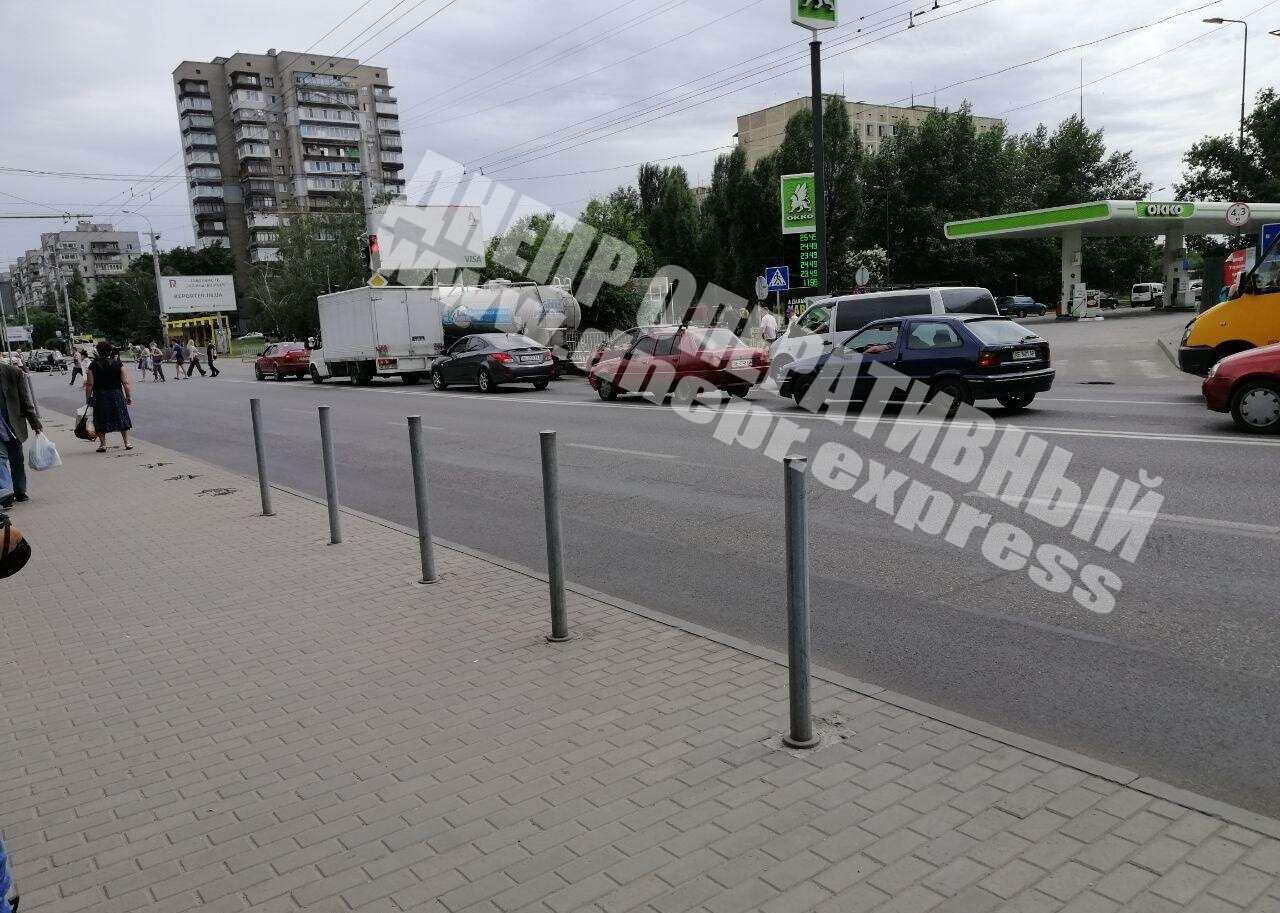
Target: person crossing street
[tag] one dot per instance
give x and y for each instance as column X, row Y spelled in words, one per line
column 210, row 355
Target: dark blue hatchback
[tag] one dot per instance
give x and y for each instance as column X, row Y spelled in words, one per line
column 965, row 357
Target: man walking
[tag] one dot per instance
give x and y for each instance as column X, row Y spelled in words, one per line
column 210, row 354
column 179, row 359
column 193, row 358
column 77, row 369
column 768, row 327
column 17, row 413
column 157, row 363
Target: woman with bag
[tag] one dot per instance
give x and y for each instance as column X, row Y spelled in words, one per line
column 108, row 388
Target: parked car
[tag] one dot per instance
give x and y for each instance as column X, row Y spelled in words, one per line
column 491, row 359
column 281, row 360
column 657, row 358
column 965, row 357
column 1151, row 293
column 1020, row 306
column 1102, row 300
column 827, row 321
column 1247, row 385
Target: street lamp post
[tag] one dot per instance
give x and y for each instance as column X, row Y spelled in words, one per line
column 1244, row 81
column 155, row 261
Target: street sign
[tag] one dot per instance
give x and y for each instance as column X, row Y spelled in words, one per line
column 798, row 200
column 1238, row 215
column 814, row 14
column 377, row 280
column 801, row 255
column 197, row 294
column 762, row 288
column 778, row 278
column 1268, row 234
column 862, row 276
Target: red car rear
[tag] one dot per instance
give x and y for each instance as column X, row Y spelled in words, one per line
column 281, row 360
column 655, row 359
column 1248, row 386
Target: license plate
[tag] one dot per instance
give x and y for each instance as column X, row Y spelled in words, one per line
column 740, row 363
column 1024, row 354
column 530, row 359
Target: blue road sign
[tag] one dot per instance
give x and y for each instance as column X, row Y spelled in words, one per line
column 777, row 278
column 1268, row 235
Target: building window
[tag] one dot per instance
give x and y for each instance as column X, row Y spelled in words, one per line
column 270, row 81
column 279, row 169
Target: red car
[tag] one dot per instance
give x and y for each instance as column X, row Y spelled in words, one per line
column 281, row 360
column 1247, row 385
column 657, row 358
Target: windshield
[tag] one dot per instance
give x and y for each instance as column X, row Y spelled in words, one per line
column 516, row 341
column 1000, row 332
column 967, row 301
column 1268, row 269
column 715, row 338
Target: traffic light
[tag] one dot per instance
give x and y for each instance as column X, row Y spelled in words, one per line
column 371, row 260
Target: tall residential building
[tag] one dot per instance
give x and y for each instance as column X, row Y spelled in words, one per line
column 760, row 132
column 95, row 250
column 268, row 136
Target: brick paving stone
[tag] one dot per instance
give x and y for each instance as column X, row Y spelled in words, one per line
column 383, row 746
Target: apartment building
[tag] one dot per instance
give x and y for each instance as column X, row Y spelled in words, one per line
column 269, row 136
column 95, row 250
column 760, row 132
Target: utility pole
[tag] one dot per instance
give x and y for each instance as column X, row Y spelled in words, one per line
column 155, row 261
column 819, row 177
column 1244, row 85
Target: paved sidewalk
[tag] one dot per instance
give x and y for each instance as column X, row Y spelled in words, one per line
column 205, row 709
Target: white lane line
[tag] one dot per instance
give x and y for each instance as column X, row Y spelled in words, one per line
column 1239, row 440
column 638, row 453
column 1231, row 526
column 1118, row 402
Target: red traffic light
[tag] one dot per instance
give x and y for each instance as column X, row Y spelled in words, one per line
column 373, row 245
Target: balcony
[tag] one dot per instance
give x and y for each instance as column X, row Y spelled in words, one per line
column 383, row 93
column 251, row 132
column 104, row 248
column 194, row 87
column 348, row 153
column 199, row 138
column 331, row 115
column 259, row 220
column 391, row 141
column 204, row 174
column 200, row 157
column 389, row 123
column 329, row 185
column 196, row 122
column 248, row 116
column 253, row 150
column 387, row 107
column 247, row 98
column 209, row 210
column 323, row 133
column 323, row 80
column 260, row 204
column 264, row 255
column 194, row 103
column 332, row 166
column 211, row 229
column 260, row 185
column 391, row 158
column 108, row 266
column 327, row 97
column 242, row 80
column 265, row 239
column 207, row 192
column 255, row 169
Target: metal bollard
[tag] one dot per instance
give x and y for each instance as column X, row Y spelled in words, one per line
column 420, row 499
column 330, row 478
column 801, row 733
column 260, row 451
column 555, row 551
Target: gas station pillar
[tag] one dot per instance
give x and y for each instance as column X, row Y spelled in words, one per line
column 1071, row 299
column 1175, row 277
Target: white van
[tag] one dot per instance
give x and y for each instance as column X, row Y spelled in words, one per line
column 829, row 320
column 1147, row 293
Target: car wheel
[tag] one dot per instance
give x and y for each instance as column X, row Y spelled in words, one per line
column 279, row 375
column 541, row 384
column 607, row 391
column 485, row 381
column 437, row 381
column 1016, row 401
column 1256, row 407
column 952, row 387
column 799, row 391
column 739, row 391
column 257, row 373
column 315, row 376
column 777, row 368
column 1022, row 315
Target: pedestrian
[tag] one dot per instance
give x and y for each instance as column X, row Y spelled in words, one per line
column 144, row 363
column 768, row 327
column 193, row 356
column 157, row 363
column 179, row 359
column 77, row 369
column 108, row 389
column 210, row 355
column 17, row 413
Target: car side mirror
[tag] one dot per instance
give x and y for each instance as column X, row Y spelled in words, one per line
column 1249, row 284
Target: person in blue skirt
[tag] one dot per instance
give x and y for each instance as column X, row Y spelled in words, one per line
column 108, row 388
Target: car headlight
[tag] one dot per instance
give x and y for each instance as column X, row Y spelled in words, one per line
column 1212, row 371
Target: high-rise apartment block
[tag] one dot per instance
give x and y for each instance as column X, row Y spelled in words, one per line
column 269, row 136
column 93, row 250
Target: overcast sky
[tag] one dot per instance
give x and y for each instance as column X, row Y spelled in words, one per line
column 88, row 84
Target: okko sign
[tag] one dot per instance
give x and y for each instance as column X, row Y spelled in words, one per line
column 1165, row 210
column 814, row 14
column 799, row 199
column 197, row 294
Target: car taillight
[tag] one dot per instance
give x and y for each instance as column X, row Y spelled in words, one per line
column 502, row 357
column 988, row 359
column 759, row 359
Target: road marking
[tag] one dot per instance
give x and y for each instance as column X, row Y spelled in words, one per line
column 1230, row 526
column 1239, row 440
column 1117, row 402
column 638, row 453
column 1151, row 369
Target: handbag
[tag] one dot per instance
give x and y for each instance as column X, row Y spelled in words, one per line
column 83, row 431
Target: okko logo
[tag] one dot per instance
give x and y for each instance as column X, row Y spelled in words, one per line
column 1165, row 210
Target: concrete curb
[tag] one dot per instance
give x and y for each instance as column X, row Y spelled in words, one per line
column 1067, row 758
column 1168, row 352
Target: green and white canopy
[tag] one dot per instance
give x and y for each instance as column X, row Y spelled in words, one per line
column 1119, row 218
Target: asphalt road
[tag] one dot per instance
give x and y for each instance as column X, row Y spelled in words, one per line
column 1180, row 682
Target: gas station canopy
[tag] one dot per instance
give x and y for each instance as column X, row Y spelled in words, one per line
column 1117, row 218
column 1121, row 218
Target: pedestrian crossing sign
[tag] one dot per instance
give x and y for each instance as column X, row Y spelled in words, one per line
column 777, row 278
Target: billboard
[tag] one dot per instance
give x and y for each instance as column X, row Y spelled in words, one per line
column 428, row 237
column 197, row 294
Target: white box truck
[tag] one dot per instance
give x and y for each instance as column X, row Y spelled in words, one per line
column 369, row 332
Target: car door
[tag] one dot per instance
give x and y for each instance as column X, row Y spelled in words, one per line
column 448, row 366
column 469, row 364
column 930, row 348
column 267, row 361
column 876, row 344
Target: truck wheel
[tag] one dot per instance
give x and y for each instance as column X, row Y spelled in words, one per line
column 437, row 381
column 485, row 381
column 361, row 374
column 1256, row 407
column 315, row 375
column 411, row 377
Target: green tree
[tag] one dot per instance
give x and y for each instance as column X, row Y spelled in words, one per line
column 120, row 310
column 619, row 215
column 672, row 222
column 44, row 329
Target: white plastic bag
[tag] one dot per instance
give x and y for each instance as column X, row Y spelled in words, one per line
column 43, row 454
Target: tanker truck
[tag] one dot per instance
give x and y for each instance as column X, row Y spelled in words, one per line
column 400, row 332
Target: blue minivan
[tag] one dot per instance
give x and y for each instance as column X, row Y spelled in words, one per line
column 962, row 356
